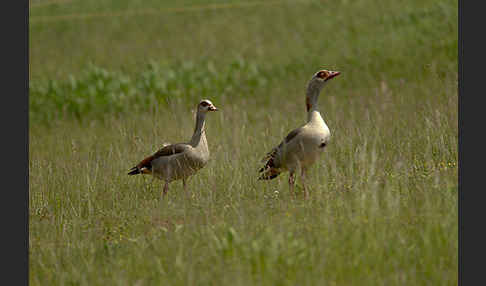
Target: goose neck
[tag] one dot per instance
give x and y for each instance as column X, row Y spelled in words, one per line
column 312, row 95
column 199, row 132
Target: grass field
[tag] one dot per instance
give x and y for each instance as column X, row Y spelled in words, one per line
column 110, row 81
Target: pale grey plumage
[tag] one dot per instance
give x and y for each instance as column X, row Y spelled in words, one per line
column 302, row 146
column 181, row 160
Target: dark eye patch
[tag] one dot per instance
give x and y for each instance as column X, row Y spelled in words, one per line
column 204, row 104
column 322, row 74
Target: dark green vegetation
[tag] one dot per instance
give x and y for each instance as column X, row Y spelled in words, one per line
column 109, row 88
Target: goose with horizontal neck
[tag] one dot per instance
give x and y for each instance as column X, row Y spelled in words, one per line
column 179, row 161
column 302, row 146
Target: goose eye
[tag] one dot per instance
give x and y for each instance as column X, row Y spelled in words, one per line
column 322, row 74
column 204, row 104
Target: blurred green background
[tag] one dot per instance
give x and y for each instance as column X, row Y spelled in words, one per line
column 93, row 57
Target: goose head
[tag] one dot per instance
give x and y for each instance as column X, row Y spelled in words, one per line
column 206, row 105
column 323, row 76
column 314, row 87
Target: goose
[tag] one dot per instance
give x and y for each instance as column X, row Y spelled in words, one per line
column 179, row 161
column 302, row 146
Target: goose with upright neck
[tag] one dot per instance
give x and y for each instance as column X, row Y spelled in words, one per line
column 181, row 160
column 302, row 146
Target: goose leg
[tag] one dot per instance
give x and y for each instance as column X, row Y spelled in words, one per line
column 306, row 194
column 184, row 186
column 292, row 183
column 166, row 187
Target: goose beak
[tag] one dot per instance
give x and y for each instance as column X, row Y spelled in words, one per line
column 213, row 108
column 333, row 74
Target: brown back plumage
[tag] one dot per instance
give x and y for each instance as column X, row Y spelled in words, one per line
column 271, row 169
column 145, row 166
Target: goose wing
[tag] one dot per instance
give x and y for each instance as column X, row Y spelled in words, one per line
column 167, row 150
column 271, row 158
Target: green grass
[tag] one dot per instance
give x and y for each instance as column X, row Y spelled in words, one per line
column 107, row 91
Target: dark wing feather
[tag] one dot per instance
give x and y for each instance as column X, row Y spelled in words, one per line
column 292, row 134
column 167, row 150
column 286, row 140
column 171, row 150
column 270, row 167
